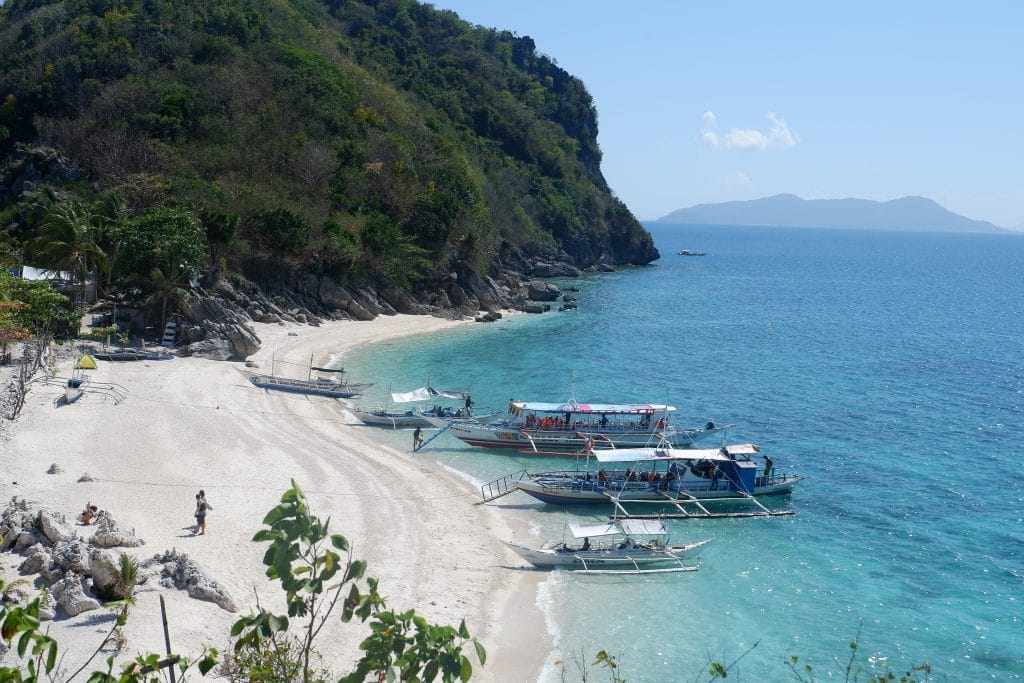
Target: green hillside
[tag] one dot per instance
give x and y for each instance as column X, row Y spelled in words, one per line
column 365, row 141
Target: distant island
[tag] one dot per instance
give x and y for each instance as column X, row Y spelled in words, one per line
column 788, row 210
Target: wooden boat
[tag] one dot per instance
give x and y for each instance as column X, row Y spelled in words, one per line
column 566, row 428
column 682, row 478
column 316, row 386
column 122, row 355
column 617, row 546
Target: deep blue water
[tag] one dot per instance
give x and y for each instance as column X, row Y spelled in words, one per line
column 887, row 368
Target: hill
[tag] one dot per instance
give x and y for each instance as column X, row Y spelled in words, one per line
column 375, row 144
column 787, row 210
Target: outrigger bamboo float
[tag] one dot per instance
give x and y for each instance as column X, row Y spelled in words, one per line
column 686, row 480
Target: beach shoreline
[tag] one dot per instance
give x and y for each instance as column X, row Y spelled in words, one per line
column 191, row 424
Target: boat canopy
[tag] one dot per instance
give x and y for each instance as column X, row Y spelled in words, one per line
column 655, row 454
column 628, row 527
column 427, row 393
column 518, row 407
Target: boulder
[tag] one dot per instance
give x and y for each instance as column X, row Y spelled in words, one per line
column 178, row 570
column 34, row 561
column 15, row 520
column 534, row 307
column 69, row 595
column 54, row 469
column 212, row 349
column 109, row 535
column 103, row 566
column 54, row 526
column 219, row 319
column 542, row 291
column 71, row 556
column 557, row 269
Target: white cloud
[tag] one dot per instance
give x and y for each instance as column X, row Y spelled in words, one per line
column 778, row 136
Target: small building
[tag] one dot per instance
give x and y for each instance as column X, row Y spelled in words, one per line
column 63, row 282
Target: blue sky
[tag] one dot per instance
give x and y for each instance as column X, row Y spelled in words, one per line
column 708, row 102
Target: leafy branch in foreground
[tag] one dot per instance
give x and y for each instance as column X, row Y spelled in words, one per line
column 306, row 559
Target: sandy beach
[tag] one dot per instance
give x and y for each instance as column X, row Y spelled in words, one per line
column 191, row 424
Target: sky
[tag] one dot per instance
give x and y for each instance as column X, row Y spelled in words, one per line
column 719, row 101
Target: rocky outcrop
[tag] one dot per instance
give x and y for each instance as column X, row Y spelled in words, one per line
column 70, row 595
column 542, row 291
column 178, row 570
column 109, row 535
column 211, row 319
column 25, row 170
column 54, row 526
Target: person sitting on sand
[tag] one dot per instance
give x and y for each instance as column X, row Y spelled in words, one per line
column 88, row 514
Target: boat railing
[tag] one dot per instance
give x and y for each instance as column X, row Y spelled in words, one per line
column 502, row 486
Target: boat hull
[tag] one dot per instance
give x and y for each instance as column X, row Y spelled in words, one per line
column 563, row 442
column 311, row 388
column 612, row 558
column 592, row 493
column 374, row 418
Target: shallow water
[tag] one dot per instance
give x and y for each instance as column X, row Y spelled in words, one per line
column 886, row 368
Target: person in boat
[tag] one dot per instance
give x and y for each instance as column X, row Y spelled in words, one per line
column 469, row 405
column 604, row 421
column 88, row 514
column 602, row 476
column 586, row 543
column 715, row 472
column 768, row 464
column 417, row 438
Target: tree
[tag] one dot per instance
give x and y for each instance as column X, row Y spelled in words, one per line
column 160, row 252
column 68, row 240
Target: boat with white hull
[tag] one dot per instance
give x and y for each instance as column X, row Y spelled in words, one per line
column 568, row 428
column 617, row 546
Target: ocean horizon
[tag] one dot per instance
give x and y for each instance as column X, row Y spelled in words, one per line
column 885, row 368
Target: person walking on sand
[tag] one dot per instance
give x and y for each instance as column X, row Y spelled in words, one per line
column 202, row 506
column 417, row 438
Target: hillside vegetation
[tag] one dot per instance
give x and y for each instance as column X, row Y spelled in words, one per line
column 364, row 141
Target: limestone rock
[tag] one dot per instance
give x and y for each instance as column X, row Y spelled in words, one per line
column 55, row 527
column 84, row 478
column 15, row 519
column 109, row 535
column 72, row 556
column 103, row 566
column 54, row 469
column 69, row 595
column 178, row 570
column 34, row 562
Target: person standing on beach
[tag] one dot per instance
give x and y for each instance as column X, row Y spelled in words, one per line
column 202, row 506
column 417, row 438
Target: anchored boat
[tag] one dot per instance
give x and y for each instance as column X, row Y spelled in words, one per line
column 681, row 478
column 385, row 416
column 618, row 546
column 566, row 428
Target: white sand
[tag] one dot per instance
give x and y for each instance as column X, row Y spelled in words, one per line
column 191, row 424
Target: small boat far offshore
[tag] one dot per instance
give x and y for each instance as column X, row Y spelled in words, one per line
column 687, row 252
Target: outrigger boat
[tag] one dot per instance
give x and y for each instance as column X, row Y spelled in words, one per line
column 565, row 428
column 383, row 416
column 684, row 479
column 617, row 546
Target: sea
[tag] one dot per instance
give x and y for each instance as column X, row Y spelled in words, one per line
column 886, row 368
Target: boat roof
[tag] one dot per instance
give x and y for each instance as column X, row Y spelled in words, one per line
column 604, row 408
column 629, row 527
column 663, row 453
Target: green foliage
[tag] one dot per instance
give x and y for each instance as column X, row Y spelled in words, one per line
column 280, row 228
column 306, row 559
column 461, row 137
column 33, row 306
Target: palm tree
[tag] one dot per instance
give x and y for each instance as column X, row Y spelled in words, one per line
column 68, row 241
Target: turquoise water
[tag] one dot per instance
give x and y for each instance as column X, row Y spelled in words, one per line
column 887, row 368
